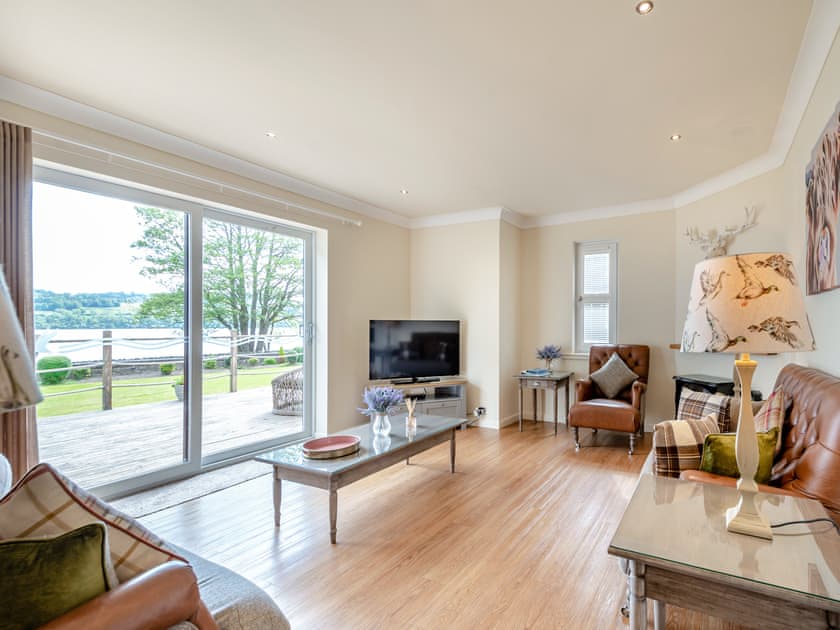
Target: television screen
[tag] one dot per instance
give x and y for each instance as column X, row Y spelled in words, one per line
column 412, row 349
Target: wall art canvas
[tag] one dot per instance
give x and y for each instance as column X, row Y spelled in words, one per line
column 822, row 181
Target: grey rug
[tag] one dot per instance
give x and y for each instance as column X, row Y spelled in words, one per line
column 171, row 494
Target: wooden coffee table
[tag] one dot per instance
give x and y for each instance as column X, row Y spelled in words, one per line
column 674, row 538
column 375, row 454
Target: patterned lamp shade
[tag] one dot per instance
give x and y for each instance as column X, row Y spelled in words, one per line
column 18, row 387
column 746, row 303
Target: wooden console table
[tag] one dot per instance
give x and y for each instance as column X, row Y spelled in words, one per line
column 673, row 536
column 552, row 382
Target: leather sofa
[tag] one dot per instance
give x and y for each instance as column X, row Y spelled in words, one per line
column 809, row 462
column 161, row 598
column 174, row 596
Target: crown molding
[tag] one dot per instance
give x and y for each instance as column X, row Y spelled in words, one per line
column 455, row 218
column 72, row 111
column 818, row 38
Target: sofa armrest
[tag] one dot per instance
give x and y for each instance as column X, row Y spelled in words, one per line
column 584, row 389
column 638, row 390
column 156, row 599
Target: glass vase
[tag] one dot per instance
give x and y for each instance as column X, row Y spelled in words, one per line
column 380, row 423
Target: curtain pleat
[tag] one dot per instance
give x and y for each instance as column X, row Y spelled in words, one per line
column 18, row 433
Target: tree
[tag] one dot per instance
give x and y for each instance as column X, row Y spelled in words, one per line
column 253, row 278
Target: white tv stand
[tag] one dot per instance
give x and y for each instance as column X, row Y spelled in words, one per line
column 446, row 397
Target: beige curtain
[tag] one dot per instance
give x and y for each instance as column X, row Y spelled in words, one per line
column 18, row 435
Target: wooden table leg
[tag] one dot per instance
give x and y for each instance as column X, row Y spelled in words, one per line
column 520, row 405
column 452, row 452
column 568, row 387
column 278, row 490
column 556, row 407
column 658, row 615
column 638, row 603
column 333, row 513
column 535, row 404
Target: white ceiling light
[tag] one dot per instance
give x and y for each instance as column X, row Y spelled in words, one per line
column 271, row 134
column 676, row 137
column 403, row 191
column 644, row 7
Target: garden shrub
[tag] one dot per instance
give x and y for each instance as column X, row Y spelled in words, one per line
column 167, row 368
column 226, row 362
column 210, row 364
column 54, row 363
column 298, row 358
column 253, row 361
column 79, row 373
column 281, row 356
column 270, row 361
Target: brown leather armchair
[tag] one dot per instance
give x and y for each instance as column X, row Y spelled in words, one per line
column 623, row 412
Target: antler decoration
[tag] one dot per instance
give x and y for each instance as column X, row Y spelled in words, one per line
column 714, row 243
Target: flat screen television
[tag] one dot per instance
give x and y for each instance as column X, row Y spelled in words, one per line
column 412, row 349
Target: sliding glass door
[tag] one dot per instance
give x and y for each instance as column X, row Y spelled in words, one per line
column 254, row 357
column 168, row 335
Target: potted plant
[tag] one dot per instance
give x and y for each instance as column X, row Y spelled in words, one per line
column 548, row 353
column 380, row 401
column 178, row 386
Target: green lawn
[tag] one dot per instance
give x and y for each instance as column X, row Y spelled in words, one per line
column 157, row 389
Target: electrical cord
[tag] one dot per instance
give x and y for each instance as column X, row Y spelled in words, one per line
column 805, row 522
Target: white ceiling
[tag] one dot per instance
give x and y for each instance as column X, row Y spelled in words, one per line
column 542, row 107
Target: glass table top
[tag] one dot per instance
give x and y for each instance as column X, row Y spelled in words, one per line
column 370, row 446
column 682, row 522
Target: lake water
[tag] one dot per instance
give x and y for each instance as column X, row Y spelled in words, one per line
column 139, row 343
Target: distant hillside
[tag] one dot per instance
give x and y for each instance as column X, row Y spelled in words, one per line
column 93, row 310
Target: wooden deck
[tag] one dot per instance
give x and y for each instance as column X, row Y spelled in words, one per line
column 98, row 447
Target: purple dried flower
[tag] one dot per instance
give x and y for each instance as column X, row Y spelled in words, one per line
column 381, row 399
column 548, row 352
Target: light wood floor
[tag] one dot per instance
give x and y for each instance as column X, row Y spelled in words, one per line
column 516, row 538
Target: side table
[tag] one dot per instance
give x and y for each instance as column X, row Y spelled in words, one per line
column 551, row 381
column 706, row 383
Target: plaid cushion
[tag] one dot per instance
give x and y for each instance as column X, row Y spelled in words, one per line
column 772, row 414
column 678, row 444
column 45, row 503
column 697, row 405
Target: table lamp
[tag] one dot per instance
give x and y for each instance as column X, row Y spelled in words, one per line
column 18, row 384
column 742, row 304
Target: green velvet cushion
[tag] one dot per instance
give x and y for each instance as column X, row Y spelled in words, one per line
column 719, row 454
column 42, row 578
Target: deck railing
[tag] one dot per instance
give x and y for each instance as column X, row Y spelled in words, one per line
column 231, row 359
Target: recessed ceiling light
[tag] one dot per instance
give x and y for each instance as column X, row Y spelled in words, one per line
column 271, row 134
column 644, row 7
column 403, row 191
column 675, row 137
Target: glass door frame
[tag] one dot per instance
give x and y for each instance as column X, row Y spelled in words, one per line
column 258, row 223
column 193, row 318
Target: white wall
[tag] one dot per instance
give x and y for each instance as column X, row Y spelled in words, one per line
column 645, row 294
column 455, row 275
column 510, row 303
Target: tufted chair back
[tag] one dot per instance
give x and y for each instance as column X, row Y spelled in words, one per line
column 809, row 462
column 636, row 357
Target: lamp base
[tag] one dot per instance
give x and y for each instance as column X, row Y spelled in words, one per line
column 744, row 518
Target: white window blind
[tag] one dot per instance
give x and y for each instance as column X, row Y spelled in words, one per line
column 595, row 287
